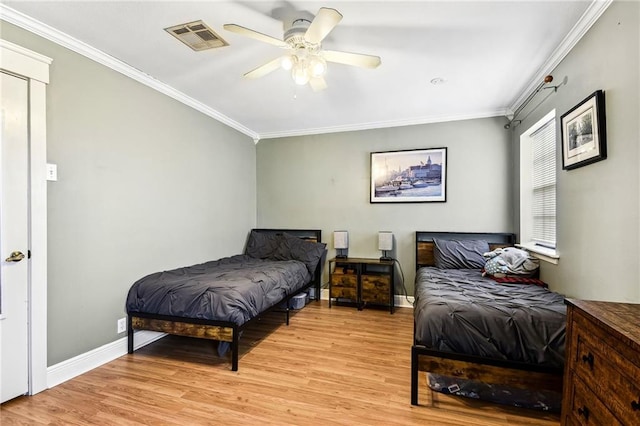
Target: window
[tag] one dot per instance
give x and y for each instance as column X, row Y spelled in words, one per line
column 538, row 188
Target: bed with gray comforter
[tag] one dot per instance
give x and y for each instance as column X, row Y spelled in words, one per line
column 217, row 299
column 460, row 311
column 475, row 335
column 233, row 289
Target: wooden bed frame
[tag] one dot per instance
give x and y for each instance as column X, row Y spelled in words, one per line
column 224, row 331
column 487, row 370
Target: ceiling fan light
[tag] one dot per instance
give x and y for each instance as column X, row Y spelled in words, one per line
column 317, row 67
column 300, row 74
column 287, row 62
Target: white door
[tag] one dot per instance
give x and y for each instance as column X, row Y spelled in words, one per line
column 14, row 237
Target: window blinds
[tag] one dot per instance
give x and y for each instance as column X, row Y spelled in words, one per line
column 544, row 184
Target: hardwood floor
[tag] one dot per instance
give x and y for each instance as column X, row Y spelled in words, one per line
column 329, row 366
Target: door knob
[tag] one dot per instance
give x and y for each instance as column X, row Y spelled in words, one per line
column 16, row 256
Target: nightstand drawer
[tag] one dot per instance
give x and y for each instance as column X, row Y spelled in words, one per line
column 375, row 288
column 344, row 280
column 344, row 286
column 344, row 293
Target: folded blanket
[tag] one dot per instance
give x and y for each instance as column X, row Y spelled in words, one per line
column 510, row 261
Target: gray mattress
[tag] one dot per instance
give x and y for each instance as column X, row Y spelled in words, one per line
column 233, row 289
column 458, row 310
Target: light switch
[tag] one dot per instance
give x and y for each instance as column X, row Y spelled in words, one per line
column 52, row 172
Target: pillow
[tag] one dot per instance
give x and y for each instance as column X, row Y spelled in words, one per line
column 308, row 252
column 262, row 245
column 454, row 254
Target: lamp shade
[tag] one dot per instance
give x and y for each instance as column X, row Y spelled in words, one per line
column 340, row 240
column 385, row 240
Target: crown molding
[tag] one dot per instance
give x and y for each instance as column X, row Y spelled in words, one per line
column 588, row 18
column 32, row 25
column 382, row 124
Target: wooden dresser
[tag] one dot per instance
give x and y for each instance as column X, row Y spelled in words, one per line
column 602, row 371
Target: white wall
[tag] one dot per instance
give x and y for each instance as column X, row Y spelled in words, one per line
column 598, row 206
column 323, row 182
column 145, row 183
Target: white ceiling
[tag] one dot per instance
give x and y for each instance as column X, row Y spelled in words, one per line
column 490, row 54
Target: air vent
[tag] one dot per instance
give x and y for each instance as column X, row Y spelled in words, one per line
column 197, row 35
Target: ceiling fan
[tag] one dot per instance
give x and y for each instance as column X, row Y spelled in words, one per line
column 305, row 58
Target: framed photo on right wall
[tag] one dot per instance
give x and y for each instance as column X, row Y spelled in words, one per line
column 584, row 132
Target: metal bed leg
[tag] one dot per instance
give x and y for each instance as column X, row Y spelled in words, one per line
column 414, row 376
column 234, row 350
column 288, row 313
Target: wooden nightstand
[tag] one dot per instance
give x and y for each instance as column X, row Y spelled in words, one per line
column 362, row 281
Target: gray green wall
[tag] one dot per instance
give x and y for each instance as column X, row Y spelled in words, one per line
column 145, row 183
column 323, row 181
column 598, row 206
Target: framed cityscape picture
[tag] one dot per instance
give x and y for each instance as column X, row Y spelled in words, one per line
column 409, row 176
column 584, row 134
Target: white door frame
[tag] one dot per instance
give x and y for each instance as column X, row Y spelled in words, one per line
column 35, row 67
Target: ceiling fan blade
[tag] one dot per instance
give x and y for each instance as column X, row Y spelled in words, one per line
column 254, row 34
column 264, row 69
column 318, row 84
column 356, row 59
column 322, row 24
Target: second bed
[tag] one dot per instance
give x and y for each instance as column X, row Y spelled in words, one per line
column 470, row 327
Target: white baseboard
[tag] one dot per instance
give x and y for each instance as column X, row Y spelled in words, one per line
column 399, row 302
column 73, row 367
column 404, row 302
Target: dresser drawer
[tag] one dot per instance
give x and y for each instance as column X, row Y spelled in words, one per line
column 586, row 409
column 613, row 376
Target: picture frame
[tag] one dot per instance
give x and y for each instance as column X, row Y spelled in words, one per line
column 584, row 133
column 409, row 176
